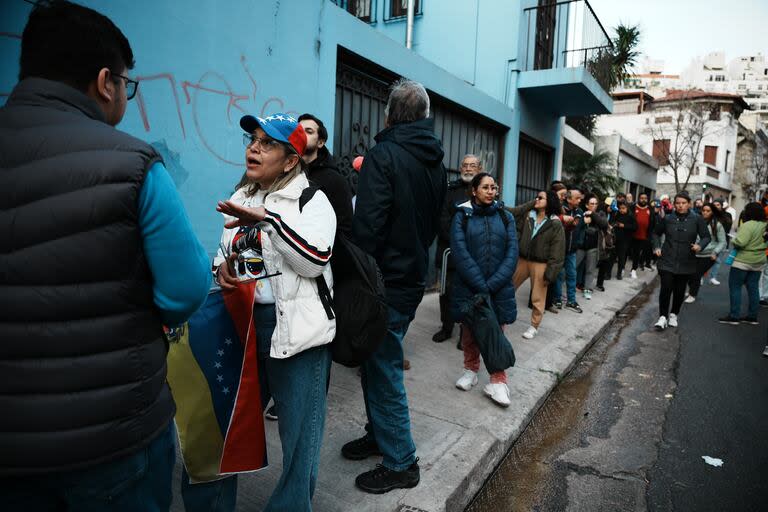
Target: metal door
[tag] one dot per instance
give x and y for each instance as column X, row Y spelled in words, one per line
column 534, row 168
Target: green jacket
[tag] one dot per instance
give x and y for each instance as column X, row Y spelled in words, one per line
column 750, row 243
column 548, row 246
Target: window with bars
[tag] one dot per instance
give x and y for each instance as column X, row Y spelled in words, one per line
column 364, row 10
column 399, row 8
column 710, row 155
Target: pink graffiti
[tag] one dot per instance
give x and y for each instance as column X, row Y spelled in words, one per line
column 143, row 108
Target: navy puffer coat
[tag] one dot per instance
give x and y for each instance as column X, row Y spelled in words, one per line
column 485, row 256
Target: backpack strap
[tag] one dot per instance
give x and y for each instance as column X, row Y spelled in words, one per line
column 325, row 296
column 503, row 214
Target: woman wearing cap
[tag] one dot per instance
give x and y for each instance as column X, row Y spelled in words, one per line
column 677, row 257
column 283, row 230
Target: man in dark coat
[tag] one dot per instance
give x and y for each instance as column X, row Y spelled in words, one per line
column 458, row 192
column 96, row 254
column 323, row 172
column 400, row 193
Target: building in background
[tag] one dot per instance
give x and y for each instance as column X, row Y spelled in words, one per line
column 750, row 175
column 637, row 168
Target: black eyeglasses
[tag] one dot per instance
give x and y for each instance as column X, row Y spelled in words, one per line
column 131, row 86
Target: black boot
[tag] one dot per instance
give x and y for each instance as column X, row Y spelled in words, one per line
column 381, row 479
column 442, row 335
column 360, row 449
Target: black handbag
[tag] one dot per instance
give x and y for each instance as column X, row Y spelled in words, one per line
column 481, row 320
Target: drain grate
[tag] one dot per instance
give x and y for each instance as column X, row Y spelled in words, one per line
column 408, row 508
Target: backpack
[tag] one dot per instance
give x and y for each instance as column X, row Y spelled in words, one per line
column 358, row 301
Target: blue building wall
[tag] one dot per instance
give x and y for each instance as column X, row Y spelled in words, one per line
column 202, row 66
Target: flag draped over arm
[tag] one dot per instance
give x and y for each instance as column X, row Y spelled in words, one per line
column 213, row 375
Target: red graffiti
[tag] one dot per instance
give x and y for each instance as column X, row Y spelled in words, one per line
column 143, row 108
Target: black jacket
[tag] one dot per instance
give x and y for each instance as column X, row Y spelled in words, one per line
column 82, row 350
column 400, row 194
column 324, row 173
column 458, row 193
column 592, row 231
column 680, row 232
column 623, row 235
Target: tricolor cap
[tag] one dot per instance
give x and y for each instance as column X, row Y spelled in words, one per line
column 280, row 127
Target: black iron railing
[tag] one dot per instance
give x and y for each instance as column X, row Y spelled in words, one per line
column 565, row 34
column 364, row 10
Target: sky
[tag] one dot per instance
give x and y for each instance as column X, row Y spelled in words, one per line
column 678, row 30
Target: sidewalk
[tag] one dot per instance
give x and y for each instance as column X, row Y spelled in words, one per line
column 460, row 436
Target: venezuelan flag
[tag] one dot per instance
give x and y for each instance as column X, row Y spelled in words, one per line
column 213, row 375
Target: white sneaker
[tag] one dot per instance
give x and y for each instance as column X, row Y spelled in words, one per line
column 690, row 299
column 672, row 320
column 467, row 380
column 661, row 324
column 765, row 352
column 714, row 281
column 633, row 274
column 701, row 282
column 530, row 333
column 499, row 393
column 587, row 294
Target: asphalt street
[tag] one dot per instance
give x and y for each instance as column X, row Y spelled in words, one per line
column 627, row 430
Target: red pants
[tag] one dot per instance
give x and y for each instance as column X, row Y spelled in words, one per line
column 472, row 356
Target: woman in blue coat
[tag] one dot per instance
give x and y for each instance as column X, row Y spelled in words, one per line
column 484, row 250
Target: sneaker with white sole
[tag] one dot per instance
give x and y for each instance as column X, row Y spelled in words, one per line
column 587, row 294
column 765, row 351
column 633, row 274
column 499, row 393
column 530, row 333
column 690, row 299
column 714, row 281
column 467, row 380
column 672, row 320
column 661, row 324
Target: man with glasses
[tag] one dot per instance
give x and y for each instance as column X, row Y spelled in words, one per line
column 98, row 254
column 458, row 192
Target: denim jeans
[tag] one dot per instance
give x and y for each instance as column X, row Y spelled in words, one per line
column 386, row 405
column 139, row 481
column 764, row 283
column 716, row 267
column 749, row 278
column 216, row 496
column 567, row 274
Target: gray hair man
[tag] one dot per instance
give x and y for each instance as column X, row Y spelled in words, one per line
column 400, row 194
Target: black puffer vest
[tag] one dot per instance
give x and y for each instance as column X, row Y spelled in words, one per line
column 82, row 355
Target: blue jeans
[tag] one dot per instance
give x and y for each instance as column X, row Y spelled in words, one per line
column 749, row 278
column 140, row 481
column 386, row 405
column 568, row 273
column 716, row 267
column 298, row 386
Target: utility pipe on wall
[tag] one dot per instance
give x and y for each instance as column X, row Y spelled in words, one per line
column 409, row 24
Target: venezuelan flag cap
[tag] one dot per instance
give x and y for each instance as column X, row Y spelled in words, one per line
column 280, row 127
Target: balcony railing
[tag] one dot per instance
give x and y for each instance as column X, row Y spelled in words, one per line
column 565, row 34
column 364, row 10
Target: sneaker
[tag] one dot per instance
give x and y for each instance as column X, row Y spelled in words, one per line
column 765, row 351
column 467, row 380
column 587, row 294
column 714, row 281
column 619, row 277
column 728, row 320
column 271, row 414
column 661, row 324
column 574, row 306
column 552, row 309
column 499, row 393
column 690, row 299
column 633, row 274
column 600, row 288
column 558, row 304
column 701, row 282
column 672, row 320
column 530, row 333
column 381, row 479
column 360, row 449
column 764, row 302
column 442, row 335
column 751, row 320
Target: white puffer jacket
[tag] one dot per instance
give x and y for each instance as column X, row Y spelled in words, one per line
column 298, row 246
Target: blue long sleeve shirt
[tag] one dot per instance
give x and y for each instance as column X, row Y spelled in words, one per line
column 176, row 258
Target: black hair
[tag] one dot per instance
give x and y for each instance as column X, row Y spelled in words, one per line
column 644, row 194
column 717, row 216
column 553, row 204
column 70, row 43
column 753, row 211
column 621, row 194
column 478, row 178
column 322, row 132
column 682, row 194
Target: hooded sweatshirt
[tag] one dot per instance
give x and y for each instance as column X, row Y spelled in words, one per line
column 400, row 194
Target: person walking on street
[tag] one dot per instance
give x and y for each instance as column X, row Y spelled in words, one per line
column 595, row 223
column 458, row 192
column 727, row 220
column 624, row 225
column 685, row 235
column 484, row 246
column 641, row 237
column 708, row 255
column 764, row 274
column 98, row 255
column 748, row 262
column 573, row 239
column 541, row 240
column 401, row 190
column 288, row 227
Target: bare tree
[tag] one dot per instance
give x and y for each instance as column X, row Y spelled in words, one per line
column 678, row 137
